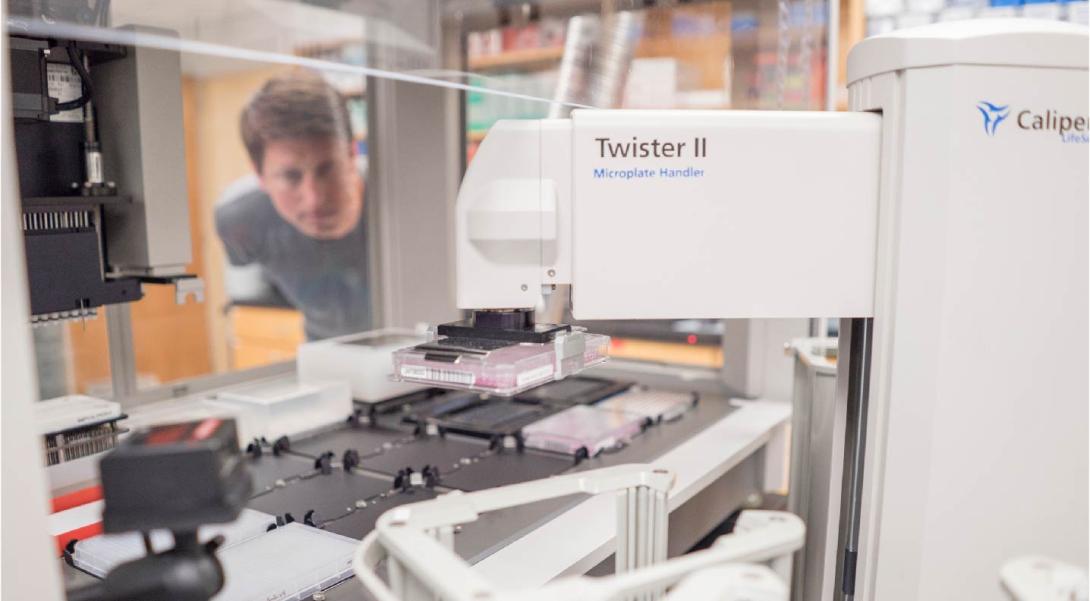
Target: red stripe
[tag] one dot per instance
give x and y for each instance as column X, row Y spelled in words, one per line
column 82, row 496
column 78, row 534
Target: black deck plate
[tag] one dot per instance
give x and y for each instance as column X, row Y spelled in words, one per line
column 362, row 521
column 507, row 467
column 328, row 495
column 573, row 390
column 268, row 468
column 494, row 418
column 363, row 439
column 441, row 451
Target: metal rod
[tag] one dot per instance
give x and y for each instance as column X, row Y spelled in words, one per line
column 832, row 56
column 641, row 525
column 662, row 517
column 663, row 527
column 620, row 554
column 122, row 355
column 855, row 448
column 633, row 540
column 799, row 486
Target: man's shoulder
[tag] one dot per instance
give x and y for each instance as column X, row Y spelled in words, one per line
column 243, row 201
column 244, row 214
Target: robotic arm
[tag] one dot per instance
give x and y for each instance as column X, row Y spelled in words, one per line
column 671, row 214
column 652, row 215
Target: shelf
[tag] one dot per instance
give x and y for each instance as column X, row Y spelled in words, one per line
column 531, row 58
column 527, row 59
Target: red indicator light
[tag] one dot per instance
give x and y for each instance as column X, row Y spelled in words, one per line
column 691, row 339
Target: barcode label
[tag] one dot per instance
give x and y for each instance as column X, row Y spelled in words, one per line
column 431, row 374
column 538, row 373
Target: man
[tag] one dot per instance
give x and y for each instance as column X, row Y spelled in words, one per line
column 301, row 219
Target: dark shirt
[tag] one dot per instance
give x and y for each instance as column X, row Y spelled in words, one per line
column 327, row 280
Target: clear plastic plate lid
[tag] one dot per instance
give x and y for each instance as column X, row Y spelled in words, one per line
column 583, row 427
column 655, row 404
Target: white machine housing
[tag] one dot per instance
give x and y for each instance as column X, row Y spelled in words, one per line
column 953, row 205
column 645, row 237
column 977, row 435
column 141, row 126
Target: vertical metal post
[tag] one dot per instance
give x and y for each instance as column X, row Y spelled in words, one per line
column 122, row 354
column 416, row 153
column 662, row 526
column 798, row 495
column 817, row 463
column 859, row 353
column 832, row 57
column 661, row 534
column 624, row 534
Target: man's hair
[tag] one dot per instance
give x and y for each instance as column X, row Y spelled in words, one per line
column 298, row 104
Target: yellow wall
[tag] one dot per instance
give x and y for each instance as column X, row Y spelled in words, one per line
column 220, row 160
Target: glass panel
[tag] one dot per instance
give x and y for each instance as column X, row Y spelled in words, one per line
column 742, row 54
column 73, row 357
column 246, row 319
column 275, row 131
column 278, row 201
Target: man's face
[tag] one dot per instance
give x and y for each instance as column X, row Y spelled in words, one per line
column 314, row 185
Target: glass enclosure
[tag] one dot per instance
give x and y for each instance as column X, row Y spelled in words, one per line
column 299, row 121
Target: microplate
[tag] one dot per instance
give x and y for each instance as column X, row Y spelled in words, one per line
column 499, row 367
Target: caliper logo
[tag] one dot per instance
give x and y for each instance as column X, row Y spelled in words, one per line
column 993, row 115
